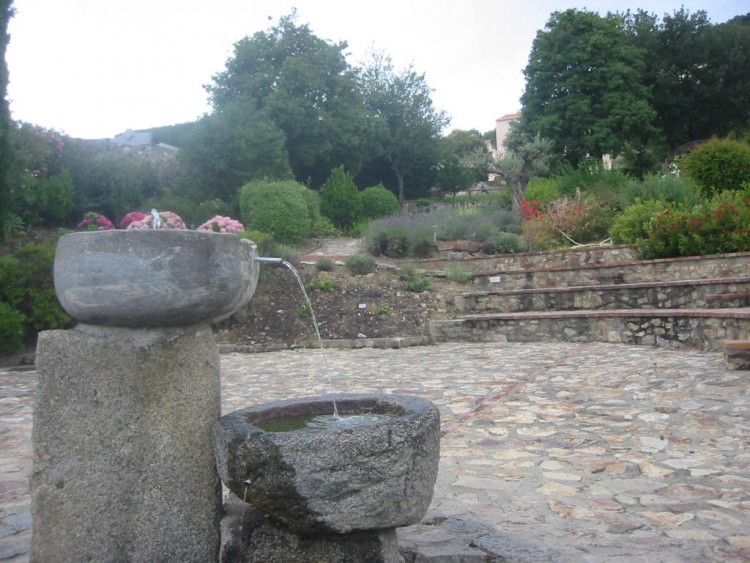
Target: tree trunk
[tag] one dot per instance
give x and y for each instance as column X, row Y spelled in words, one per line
column 518, row 191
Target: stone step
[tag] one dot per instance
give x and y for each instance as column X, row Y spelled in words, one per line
column 706, row 293
column 700, row 328
column 737, row 354
column 644, row 271
column 565, row 258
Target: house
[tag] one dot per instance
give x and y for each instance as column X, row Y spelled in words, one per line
column 502, row 126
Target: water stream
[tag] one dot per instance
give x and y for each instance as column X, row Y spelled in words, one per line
column 301, row 284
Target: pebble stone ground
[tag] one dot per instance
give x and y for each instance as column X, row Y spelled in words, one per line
column 550, row 451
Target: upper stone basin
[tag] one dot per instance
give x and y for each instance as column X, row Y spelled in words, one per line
column 340, row 479
column 153, row 278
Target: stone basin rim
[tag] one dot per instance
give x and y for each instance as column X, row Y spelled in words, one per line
column 398, row 407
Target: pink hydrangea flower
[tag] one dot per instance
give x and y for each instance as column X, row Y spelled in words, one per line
column 95, row 222
column 221, row 224
column 169, row 220
column 130, row 217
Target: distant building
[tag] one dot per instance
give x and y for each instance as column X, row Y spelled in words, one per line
column 133, row 138
column 502, row 126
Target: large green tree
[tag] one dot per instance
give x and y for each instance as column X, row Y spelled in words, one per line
column 698, row 73
column 229, row 148
column 407, row 125
column 584, row 87
column 306, row 87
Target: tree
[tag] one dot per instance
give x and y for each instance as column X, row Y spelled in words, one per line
column 340, row 200
column 304, row 85
column 518, row 166
column 225, row 150
column 699, row 73
column 407, row 125
column 454, row 172
column 583, row 87
column 6, row 155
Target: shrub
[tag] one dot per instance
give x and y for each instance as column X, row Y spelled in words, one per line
column 325, row 284
column 414, row 280
column 422, row 244
column 360, row 264
column 669, row 188
column 263, row 241
column 382, row 310
column 579, row 219
column 718, row 226
column 324, row 265
column 279, row 208
column 339, row 199
column 458, row 274
column 418, row 283
column 26, row 285
column 631, row 225
column 11, row 329
column 502, row 243
column 288, row 253
column 719, row 165
column 378, row 201
column 543, row 190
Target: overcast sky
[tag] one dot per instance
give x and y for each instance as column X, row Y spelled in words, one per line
column 95, row 68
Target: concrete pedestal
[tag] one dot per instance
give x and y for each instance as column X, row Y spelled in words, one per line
column 123, row 458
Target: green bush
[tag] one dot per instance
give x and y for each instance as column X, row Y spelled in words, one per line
column 378, row 201
column 288, row 253
column 26, row 285
column 458, row 274
column 360, row 264
column 324, row 265
column 422, row 243
column 325, row 284
column 502, row 243
column 631, row 225
column 418, row 283
column 12, row 331
column 279, row 208
column 720, row 225
column 543, row 190
column 669, row 188
column 718, row 166
column 385, row 239
column 339, row 199
column 263, row 241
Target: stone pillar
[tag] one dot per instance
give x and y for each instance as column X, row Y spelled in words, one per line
column 123, row 458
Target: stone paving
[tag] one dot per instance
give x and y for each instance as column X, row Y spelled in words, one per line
column 550, row 451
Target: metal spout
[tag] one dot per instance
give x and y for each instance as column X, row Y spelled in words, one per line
column 268, row 260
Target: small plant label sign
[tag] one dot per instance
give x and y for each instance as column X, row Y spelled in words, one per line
column 495, row 279
column 362, row 306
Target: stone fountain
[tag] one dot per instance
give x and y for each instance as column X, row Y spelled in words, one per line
column 126, row 439
column 123, row 457
column 332, row 493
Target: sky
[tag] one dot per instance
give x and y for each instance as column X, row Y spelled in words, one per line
column 96, row 68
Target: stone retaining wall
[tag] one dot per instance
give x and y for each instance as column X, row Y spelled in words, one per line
column 732, row 292
column 705, row 329
column 686, row 268
column 571, row 257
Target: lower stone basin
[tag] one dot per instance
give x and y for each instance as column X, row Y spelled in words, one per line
column 375, row 476
column 153, row 278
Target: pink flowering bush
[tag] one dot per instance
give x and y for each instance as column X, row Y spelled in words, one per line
column 131, row 217
column 95, row 222
column 168, row 219
column 220, row 224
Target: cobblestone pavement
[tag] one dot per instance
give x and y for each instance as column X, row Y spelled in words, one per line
column 550, row 451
